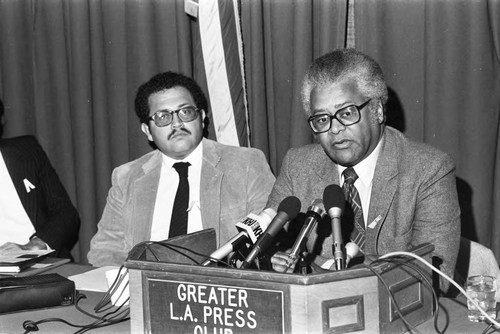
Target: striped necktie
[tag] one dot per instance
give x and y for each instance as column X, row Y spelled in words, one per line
column 352, row 197
column 179, row 220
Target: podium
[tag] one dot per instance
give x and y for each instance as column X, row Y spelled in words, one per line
column 168, row 297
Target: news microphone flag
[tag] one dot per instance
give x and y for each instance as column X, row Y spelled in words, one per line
column 222, row 48
column 287, row 210
column 250, row 229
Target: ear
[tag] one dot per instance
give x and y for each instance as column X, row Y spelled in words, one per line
column 203, row 116
column 145, row 129
column 380, row 113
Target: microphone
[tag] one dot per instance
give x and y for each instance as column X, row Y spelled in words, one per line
column 250, row 229
column 333, row 198
column 287, row 210
column 314, row 214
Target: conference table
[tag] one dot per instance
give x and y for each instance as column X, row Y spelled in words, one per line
column 452, row 317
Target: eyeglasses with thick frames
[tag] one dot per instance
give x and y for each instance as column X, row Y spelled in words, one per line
column 165, row 117
column 346, row 116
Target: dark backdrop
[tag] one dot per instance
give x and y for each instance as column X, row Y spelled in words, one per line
column 69, row 71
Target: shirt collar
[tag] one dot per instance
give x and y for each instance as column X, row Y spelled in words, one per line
column 366, row 168
column 194, row 158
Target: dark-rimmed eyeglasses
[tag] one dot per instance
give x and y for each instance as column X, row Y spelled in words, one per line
column 165, row 117
column 346, row 116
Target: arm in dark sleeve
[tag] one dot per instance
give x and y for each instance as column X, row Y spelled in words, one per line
column 59, row 223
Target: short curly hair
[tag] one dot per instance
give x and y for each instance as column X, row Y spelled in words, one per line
column 342, row 64
column 164, row 81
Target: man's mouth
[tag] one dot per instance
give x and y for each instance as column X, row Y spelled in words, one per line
column 339, row 144
column 179, row 133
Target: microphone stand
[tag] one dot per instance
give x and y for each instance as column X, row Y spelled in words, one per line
column 302, row 264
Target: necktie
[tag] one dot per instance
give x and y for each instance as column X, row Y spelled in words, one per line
column 352, row 197
column 178, row 222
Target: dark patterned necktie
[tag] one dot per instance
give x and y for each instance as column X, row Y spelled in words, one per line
column 179, row 220
column 352, row 197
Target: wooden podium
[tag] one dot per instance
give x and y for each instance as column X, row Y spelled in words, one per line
column 184, row 298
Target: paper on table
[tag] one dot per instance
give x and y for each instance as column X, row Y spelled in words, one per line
column 13, row 257
column 93, row 280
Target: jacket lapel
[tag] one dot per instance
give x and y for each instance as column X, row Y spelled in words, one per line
column 326, row 170
column 383, row 190
column 144, row 200
column 20, row 169
column 210, row 191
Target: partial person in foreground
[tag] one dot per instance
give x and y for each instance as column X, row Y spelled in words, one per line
column 35, row 209
column 399, row 193
column 224, row 183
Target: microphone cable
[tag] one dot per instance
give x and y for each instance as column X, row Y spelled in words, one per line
column 490, row 320
column 419, row 271
column 120, row 312
column 32, row 326
column 424, row 278
column 176, row 248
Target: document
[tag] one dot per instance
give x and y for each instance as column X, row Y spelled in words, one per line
column 16, row 261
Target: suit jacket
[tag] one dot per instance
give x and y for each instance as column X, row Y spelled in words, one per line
column 413, row 199
column 235, row 181
column 48, row 206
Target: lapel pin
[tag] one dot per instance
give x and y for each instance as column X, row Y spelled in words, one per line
column 375, row 221
column 28, row 185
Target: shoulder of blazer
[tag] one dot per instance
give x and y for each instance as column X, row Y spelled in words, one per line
column 216, row 153
column 21, row 142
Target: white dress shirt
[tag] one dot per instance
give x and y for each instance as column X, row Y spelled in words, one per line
column 15, row 224
column 167, row 188
column 365, row 170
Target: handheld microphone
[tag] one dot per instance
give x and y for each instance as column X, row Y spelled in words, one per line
column 287, row 210
column 250, row 229
column 333, row 198
column 314, row 214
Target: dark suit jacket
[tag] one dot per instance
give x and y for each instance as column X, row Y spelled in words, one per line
column 413, row 201
column 48, row 206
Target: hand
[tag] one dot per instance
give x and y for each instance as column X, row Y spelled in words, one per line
column 34, row 244
column 282, row 263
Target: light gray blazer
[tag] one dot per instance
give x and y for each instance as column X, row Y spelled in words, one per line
column 413, row 195
column 235, row 181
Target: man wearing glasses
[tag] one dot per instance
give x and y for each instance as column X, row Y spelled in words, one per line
column 187, row 184
column 399, row 193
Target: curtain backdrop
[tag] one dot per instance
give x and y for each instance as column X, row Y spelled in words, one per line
column 441, row 60
column 281, row 38
column 69, row 71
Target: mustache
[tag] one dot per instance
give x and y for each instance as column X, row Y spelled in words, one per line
column 177, row 131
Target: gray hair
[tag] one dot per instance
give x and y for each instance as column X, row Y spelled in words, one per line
column 342, row 64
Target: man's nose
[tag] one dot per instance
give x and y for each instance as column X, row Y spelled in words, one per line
column 336, row 126
column 176, row 121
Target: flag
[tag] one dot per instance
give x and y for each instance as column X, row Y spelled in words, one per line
column 222, row 48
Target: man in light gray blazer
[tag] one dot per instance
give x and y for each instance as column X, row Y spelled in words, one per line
column 407, row 189
column 226, row 183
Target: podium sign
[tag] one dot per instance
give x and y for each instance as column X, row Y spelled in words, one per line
column 214, row 308
column 183, row 298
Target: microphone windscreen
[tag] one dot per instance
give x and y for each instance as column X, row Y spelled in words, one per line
column 333, row 197
column 291, row 206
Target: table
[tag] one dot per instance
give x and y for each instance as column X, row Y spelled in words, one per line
column 12, row 322
column 452, row 317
